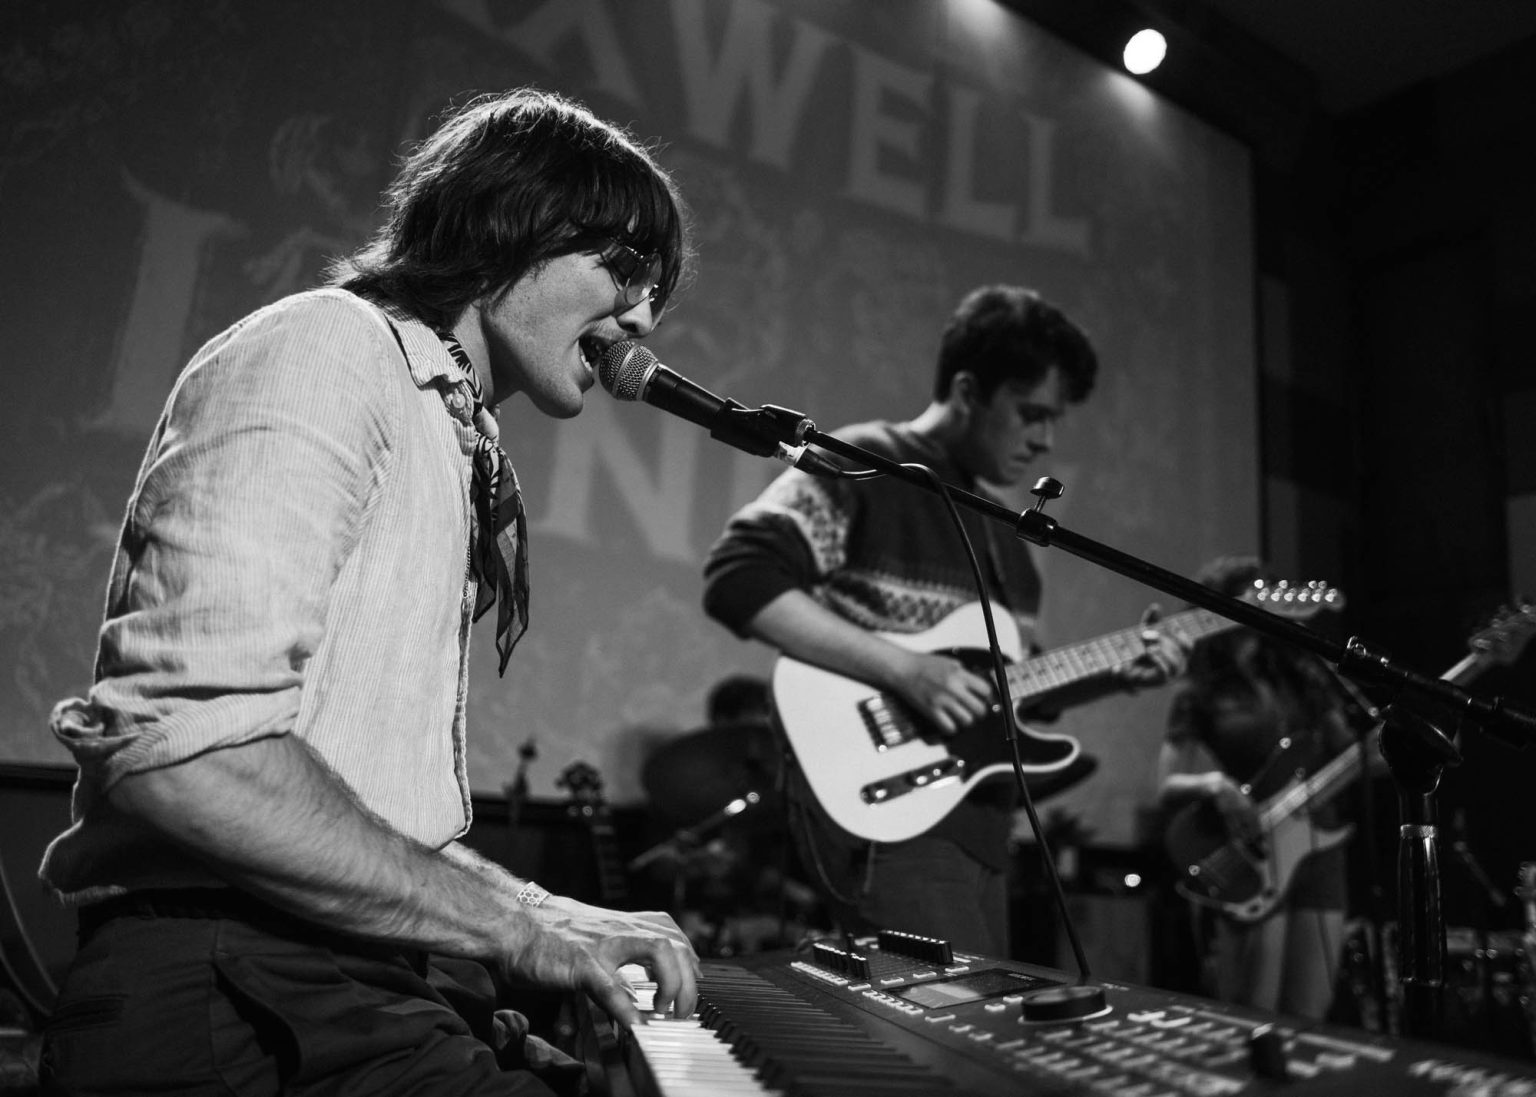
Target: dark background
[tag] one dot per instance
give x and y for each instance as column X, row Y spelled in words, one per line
column 1396, row 254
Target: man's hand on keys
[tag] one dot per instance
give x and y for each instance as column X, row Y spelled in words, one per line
column 579, row 947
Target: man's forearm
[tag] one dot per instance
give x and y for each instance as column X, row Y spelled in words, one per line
column 801, row 627
column 270, row 817
column 1181, row 788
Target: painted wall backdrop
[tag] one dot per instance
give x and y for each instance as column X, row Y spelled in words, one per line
column 853, row 168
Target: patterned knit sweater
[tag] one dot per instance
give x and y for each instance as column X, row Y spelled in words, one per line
column 884, row 555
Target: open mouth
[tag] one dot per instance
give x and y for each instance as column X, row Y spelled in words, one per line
column 591, row 352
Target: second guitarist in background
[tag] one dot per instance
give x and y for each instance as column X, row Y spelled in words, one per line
column 817, row 567
column 1250, row 715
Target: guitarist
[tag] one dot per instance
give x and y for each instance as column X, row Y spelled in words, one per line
column 815, row 567
column 1250, row 715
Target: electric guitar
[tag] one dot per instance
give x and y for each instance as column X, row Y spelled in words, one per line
column 885, row 774
column 1232, row 877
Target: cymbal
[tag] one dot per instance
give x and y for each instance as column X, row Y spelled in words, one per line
column 697, row 774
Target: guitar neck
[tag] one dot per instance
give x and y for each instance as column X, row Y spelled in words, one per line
column 1075, row 663
column 1471, row 665
column 1315, row 791
column 1321, row 786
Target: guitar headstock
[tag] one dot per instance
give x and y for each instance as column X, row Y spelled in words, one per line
column 1298, row 601
column 1501, row 641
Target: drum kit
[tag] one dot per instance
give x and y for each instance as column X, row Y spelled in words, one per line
column 730, row 862
column 1489, row 998
column 725, row 861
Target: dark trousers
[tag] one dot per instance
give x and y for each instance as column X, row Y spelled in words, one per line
column 927, row 885
column 176, row 997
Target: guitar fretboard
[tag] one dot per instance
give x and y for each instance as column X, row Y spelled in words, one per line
column 1316, row 790
column 1066, row 666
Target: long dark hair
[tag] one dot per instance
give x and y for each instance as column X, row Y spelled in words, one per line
column 506, row 183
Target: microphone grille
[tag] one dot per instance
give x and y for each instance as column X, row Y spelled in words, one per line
column 624, row 369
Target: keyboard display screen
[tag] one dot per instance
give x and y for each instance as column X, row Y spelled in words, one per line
column 970, row 987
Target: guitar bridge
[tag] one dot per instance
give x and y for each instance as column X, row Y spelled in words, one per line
column 940, row 773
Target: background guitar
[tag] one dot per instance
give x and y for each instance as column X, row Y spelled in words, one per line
column 1232, row 877
column 586, row 806
column 885, row 774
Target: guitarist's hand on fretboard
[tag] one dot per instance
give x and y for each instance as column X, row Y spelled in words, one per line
column 1165, row 657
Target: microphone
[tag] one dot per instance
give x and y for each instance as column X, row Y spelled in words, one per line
column 628, row 371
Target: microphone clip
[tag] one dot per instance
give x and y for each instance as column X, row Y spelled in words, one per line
column 760, row 431
column 793, row 426
column 771, row 431
column 739, row 426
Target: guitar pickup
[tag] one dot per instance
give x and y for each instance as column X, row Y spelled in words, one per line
column 886, row 724
column 879, row 792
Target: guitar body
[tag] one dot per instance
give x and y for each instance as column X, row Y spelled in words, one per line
column 1232, row 878
column 878, row 769
column 885, row 774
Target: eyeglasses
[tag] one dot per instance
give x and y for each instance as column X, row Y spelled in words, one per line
column 637, row 276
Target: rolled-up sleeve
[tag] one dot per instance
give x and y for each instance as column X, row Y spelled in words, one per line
column 273, row 445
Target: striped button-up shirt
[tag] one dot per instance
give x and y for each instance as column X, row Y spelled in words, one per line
column 294, row 559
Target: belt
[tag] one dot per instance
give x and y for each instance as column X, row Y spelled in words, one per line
column 234, row 905
column 211, row 902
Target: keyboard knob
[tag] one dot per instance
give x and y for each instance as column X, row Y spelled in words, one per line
column 1266, row 1053
column 1068, row 1003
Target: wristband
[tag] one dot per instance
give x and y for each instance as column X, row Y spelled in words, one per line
column 531, row 895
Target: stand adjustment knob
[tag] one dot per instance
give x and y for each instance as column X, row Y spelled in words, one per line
column 1046, row 488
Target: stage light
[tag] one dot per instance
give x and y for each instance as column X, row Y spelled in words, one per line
column 1144, row 52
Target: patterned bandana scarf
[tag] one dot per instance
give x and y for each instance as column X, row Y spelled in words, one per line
column 499, row 558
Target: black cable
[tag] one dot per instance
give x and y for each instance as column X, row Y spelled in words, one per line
column 1010, row 720
column 39, row 1008
column 1331, row 956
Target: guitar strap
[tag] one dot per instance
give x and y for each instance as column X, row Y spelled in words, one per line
column 993, row 572
column 1276, row 755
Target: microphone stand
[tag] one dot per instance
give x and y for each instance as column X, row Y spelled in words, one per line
column 688, row 838
column 1366, row 722
column 1416, row 750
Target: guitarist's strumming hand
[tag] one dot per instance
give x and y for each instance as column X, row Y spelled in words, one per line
column 1237, row 810
column 942, row 690
column 1165, row 657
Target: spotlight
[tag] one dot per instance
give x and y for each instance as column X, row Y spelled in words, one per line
column 1144, row 52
